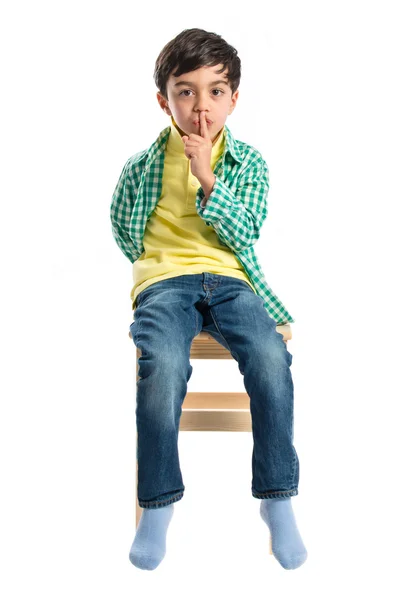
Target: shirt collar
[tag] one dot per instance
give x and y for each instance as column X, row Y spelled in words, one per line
column 159, row 145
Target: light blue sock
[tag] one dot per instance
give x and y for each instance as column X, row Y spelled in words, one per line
column 149, row 546
column 287, row 545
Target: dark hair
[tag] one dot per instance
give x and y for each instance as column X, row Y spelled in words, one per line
column 192, row 49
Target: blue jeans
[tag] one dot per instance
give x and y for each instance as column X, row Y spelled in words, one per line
column 168, row 315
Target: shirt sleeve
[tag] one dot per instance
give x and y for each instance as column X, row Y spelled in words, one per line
column 120, row 212
column 237, row 217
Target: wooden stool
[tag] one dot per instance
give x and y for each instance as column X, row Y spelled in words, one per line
column 212, row 411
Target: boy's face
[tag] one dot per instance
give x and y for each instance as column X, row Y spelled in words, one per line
column 202, row 89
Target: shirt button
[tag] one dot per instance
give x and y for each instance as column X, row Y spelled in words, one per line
column 194, row 182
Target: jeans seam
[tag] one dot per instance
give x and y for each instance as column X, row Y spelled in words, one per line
column 295, row 456
column 218, row 329
column 293, row 491
column 161, row 502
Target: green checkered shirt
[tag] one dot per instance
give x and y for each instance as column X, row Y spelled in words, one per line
column 236, row 208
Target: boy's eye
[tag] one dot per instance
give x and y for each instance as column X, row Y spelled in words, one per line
column 215, row 90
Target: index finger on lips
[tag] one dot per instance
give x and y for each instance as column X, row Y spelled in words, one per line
column 204, row 131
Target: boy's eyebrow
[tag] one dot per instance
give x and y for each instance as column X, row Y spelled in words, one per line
column 193, row 85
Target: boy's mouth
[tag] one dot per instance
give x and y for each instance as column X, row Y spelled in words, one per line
column 207, row 121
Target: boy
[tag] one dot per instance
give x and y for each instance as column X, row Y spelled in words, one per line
column 187, row 212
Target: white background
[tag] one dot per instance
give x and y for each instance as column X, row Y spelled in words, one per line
column 318, row 98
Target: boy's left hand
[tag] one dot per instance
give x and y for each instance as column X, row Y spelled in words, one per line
column 198, row 148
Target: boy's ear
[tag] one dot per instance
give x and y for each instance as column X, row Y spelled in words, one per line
column 234, row 100
column 164, row 105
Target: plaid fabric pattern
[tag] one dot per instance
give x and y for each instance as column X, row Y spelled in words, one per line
column 236, row 208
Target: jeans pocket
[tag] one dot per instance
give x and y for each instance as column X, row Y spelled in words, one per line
column 138, row 298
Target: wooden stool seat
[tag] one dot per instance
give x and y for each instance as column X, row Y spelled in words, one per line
column 212, row 411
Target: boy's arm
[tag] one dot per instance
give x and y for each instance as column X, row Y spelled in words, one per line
column 120, row 212
column 237, row 217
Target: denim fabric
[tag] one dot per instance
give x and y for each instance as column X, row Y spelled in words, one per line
column 167, row 317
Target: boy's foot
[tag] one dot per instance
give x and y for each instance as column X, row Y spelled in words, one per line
column 287, row 545
column 149, row 546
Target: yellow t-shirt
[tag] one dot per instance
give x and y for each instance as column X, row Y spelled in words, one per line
column 177, row 240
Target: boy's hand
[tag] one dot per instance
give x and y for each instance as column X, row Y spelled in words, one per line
column 198, row 148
